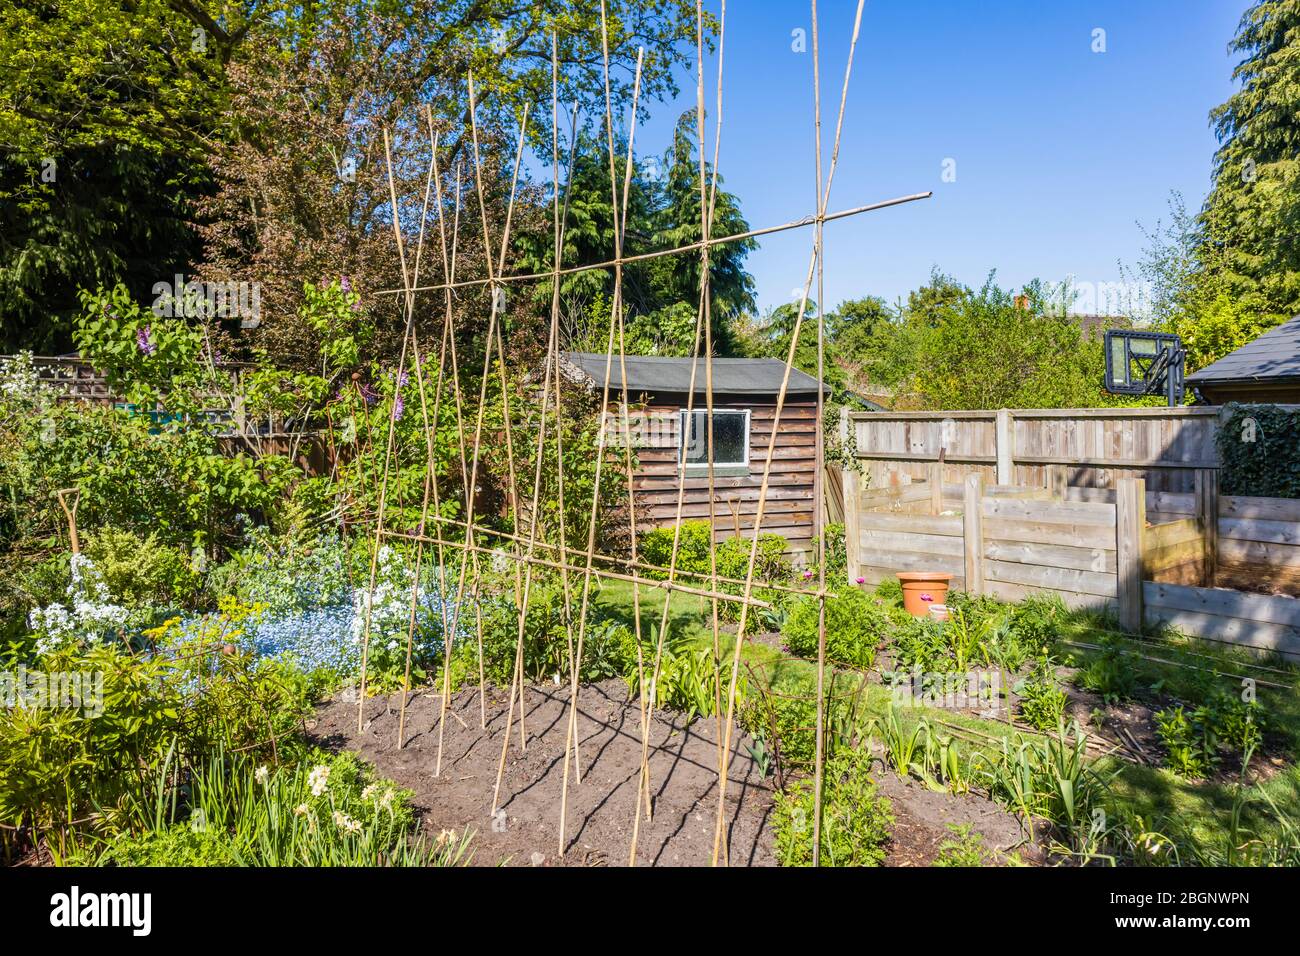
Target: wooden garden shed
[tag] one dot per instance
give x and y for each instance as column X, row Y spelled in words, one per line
column 671, row 442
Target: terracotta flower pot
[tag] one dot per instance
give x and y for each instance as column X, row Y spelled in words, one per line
column 922, row 589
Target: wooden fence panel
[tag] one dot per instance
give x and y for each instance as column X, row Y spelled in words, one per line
column 1259, row 543
column 1259, row 621
column 1095, row 446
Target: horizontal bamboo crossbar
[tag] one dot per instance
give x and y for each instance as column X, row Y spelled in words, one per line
column 611, row 559
column 577, row 568
column 661, row 253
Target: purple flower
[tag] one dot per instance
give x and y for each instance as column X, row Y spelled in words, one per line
column 345, row 284
column 862, row 580
column 143, row 340
column 807, row 574
column 399, row 407
column 369, row 394
column 926, row 597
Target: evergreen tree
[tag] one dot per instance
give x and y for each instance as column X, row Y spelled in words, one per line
column 1251, row 219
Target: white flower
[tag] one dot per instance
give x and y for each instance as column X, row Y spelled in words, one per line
column 370, row 791
column 88, row 615
column 318, row 780
column 262, row 775
column 346, row 823
column 300, row 810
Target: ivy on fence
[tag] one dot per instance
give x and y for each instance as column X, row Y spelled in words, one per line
column 1259, row 451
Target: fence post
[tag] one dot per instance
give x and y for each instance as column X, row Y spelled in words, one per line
column 1130, row 525
column 934, row 476
column 852, row 531
column 1006, row 447
column 973, row 533
column 1207, row 510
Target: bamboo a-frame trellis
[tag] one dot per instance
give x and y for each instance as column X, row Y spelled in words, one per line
column 578, row 568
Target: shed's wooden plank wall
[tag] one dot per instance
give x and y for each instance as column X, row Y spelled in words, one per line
column 790, row 503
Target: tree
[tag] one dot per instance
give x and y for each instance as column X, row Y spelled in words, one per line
column 239, row 116
column 106, row 114
column 1251, row 219
column 988, row 350
column 677, row 278
column 929, row 304
column 871, row 343
column 303, row 190
column 661, row 296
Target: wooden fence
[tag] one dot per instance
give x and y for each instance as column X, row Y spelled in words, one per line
column 1087, row 448
column 1150, row 557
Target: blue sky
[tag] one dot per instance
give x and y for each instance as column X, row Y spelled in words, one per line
column 1059, row 151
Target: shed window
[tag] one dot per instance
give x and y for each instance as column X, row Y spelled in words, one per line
column 730, row 438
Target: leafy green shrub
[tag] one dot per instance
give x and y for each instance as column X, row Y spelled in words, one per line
column 609, row 648
column 693, row 545
column 730, row 559
column 1042, row 702
column 856, row 821
column 1189, row 741
column 731, row 554
column 1036, row 622
column 920, row 644
column 890, row 591
column 770, row 563
column 855, row 626
column 1110, row 672
column 1238, row 723
column 1192, row 739
column 142, row 573
column 60, row 764
column 786, row 721
column 169, row 480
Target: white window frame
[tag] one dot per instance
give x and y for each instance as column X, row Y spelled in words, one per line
column 719, row 467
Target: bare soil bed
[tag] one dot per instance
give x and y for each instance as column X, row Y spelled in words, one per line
column 684, row 777
column 683, row 768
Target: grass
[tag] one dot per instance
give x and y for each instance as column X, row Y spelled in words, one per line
column 687, row 617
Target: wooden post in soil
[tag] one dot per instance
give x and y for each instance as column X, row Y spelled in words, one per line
column 1207, row 513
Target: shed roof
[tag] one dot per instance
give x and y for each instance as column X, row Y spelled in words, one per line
column 1274, row 355
column 731, row 376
